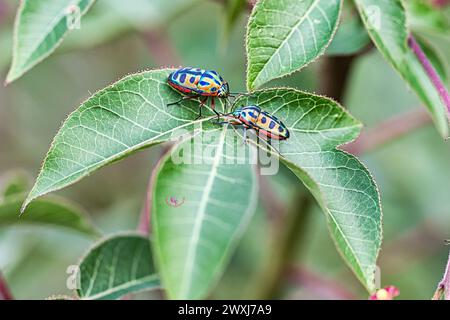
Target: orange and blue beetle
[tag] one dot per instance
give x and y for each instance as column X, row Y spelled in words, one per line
column 265, row 124
column 196, row 83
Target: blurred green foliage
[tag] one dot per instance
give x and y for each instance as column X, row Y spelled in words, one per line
column 412, row 172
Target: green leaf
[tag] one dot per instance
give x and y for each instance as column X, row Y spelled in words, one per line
column 117, row 266
column 119, row 120
column 386, row 23
column 342, row 186
column 351, row 36
column 39, row 29
column 285, row 36
column 16, row 183
column 216, row 195
column 52, row 212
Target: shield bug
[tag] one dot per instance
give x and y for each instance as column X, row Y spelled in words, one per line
column 199, row 83
column 265, row 124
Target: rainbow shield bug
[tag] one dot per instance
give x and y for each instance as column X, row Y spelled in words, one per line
column 251, row 117
column 195, row 83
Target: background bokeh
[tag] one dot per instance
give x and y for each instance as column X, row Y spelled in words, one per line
column 115, row 39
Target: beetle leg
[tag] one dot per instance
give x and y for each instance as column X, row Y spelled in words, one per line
column 218, row 114
column 202, row 103
column 213, row 107
column 181, row 100
column 199, row 114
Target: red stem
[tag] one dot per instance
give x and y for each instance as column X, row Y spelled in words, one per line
column 5, row 294
column 431, row 72
column 388, row 130
column 444, row 285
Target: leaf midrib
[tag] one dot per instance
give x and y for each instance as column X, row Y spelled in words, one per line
column 123, row 286
column 192, row 252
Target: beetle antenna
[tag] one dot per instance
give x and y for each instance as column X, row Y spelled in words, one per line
column 227, row 114
column 234, row 94
column 228, row 100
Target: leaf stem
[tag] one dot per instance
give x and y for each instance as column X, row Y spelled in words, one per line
column 444, row 286
column 5, row 294
column 388, row 130
column 286, row 241
column 335, row 71
column 431, row 72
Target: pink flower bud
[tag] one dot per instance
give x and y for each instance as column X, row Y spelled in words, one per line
column 387, row 293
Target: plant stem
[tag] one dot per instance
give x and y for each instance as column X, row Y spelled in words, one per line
column 444, row 285
column 5, row 294
column 431, row 72
column 388, row 130
column 335, row 73
column 286, row 242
